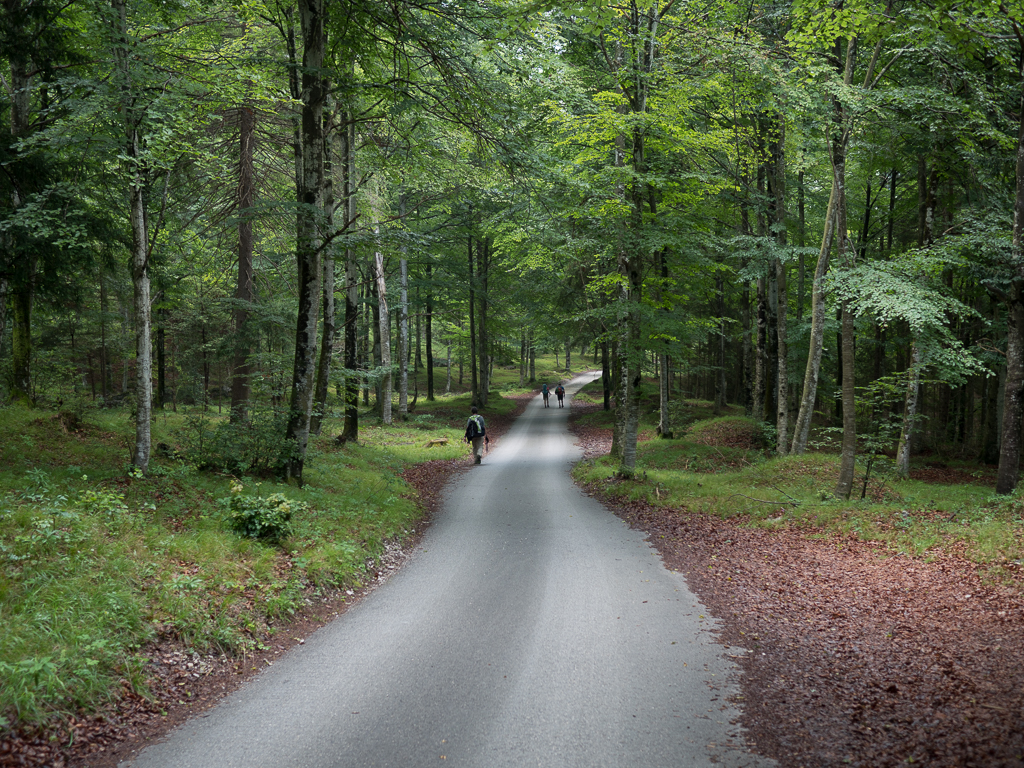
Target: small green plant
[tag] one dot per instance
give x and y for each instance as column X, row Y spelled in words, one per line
column 256, row 517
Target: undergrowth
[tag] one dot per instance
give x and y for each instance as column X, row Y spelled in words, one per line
column 724, row 467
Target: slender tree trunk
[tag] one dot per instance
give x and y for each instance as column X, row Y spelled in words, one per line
column 448, row 370
column 143, row 347
column 1009, row 451
column 308, row 254
column 161, row 358
column 384, row 337
column 776, row 178
column 990, row 448
column 329, row 329
column 533, row 356
column 848, row 457
column 483, row 267
column 21, row 345
column 909, row 413
column 243, row 289
column 20, row 288
column 836, row 202
column 809, row 392
column 403, row 339
column 761, row 352
column 523, row 357
column 782, row 415
column 429, row 329
column 139, row 252
column 104, row 361
column 606, row 377
column 474, row 380
column 720, row 379
column 801, row 235
column 892, row 209
column 350, row 429
column 3, row 311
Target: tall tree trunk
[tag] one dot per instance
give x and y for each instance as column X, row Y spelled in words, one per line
column 448, row 371
column 140, row 249
column 243, row 290
column 1009, row 450
column 474, row 380
column 809, row 392
column 328, row 331
column 777, row 202
column 3, row 312
column 350, row 428
column 760, row 352
column 329, row 328
column 403, row 339
column 161, row 356
column 429, row 329
column 523, row 357
column 837, row 200
column 848, row 456
column 21, row 345
column 664, row 366
column 720, row 379
column 403, row 325
column 782, row 346
column 606, row 377
column 847, row 255
column 21, row 287
column 909, row 413
column 384, row 337
column 308, row 254
column 533, row 355
column 143, row 347
column 801, row 241
column 484, row 356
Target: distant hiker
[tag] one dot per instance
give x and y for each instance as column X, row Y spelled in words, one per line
column 560, row 394
column 475, row 434
column 544, row 391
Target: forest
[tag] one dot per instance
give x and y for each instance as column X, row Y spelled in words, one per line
column 810, row 209
column 273, row 241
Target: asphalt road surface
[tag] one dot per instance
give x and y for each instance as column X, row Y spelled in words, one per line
column 532, row 628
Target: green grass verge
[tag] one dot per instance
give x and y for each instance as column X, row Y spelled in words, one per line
column 755, row 488
column 95, row 562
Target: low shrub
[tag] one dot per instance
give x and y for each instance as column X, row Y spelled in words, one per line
column 265, row 519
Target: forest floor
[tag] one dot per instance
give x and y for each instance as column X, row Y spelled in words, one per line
column 856, row 655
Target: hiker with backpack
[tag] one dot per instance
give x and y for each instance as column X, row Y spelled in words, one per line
column 560, row 394
column 476, row 433
column 544, row 391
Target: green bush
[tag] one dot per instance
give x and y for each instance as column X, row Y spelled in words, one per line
column 264, row 519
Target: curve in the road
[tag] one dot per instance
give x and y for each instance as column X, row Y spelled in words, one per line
column 533, row 628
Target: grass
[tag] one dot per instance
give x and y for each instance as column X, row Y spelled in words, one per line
column 711, row 470
column 96, row 562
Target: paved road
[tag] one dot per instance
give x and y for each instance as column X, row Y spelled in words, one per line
column 533, row 628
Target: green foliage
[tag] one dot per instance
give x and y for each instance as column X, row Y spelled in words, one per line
column 256, row 517
column 255, row 446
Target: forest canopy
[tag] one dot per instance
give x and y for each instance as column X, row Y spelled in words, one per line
column 809, row 209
